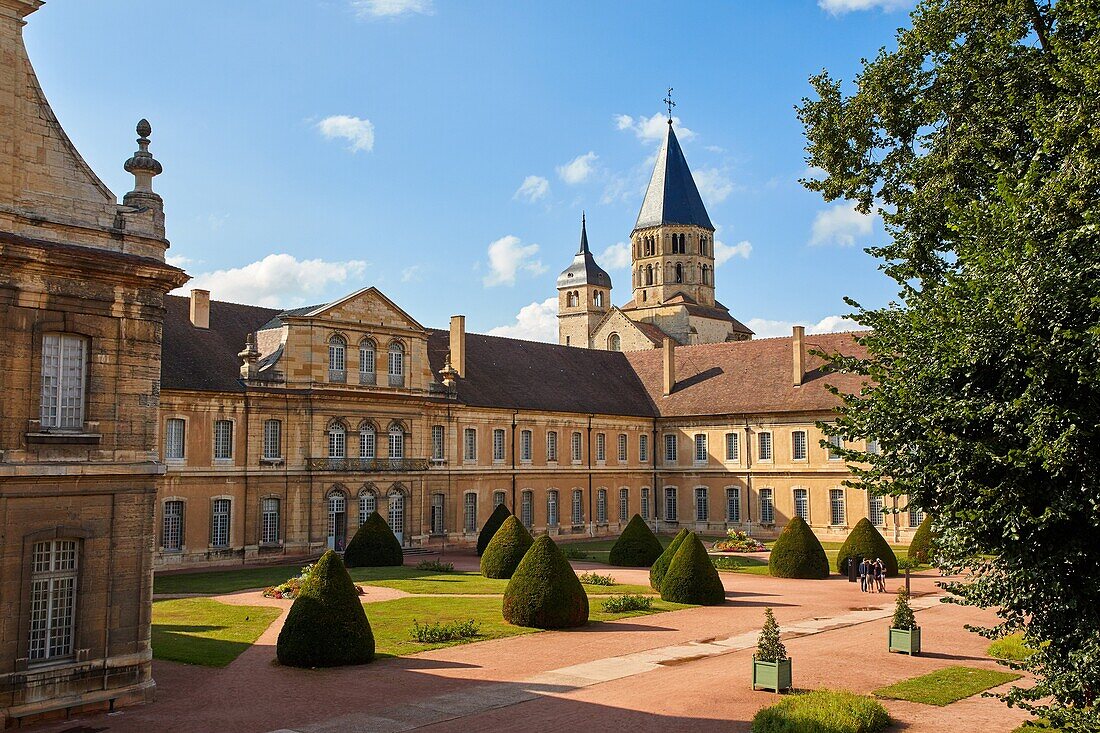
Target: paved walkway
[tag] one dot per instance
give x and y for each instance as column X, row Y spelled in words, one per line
column 683, row 670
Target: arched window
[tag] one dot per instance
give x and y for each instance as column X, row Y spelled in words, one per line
column 679, row 273
column 396, row 513
column 397, row 364
column 337, row 440
column 366, row 361
column 552, row 508
column 598, row 299
column 649, row 274
column 601, row 506
column 578, row 507
column 368, row 446
column 527, row 509
column 397, row 441
column 614, row 343
column 368, row 503
column 337, row 358
column 337, row 519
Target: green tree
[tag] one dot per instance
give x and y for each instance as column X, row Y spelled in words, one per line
column 797, row 553
column 867, row 542
column 692, row 577
column 660, row 565
column 977, row 142
column 545, row 592
column 768, row 646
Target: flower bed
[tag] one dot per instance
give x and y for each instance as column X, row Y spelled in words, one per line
column 738, row 541
column 292, row 586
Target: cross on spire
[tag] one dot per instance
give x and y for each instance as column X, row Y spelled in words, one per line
column 670, row 104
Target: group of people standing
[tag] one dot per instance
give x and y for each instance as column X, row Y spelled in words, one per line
column 872, row 575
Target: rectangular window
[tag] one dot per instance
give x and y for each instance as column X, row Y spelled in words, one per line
column 767, row 507
column 670, row 448
column 273, row 439
column 437, row 442
column 670, row 504
column 366, row 363
column 174, row 438
column 269, row 521
column 877, row 516
column 437, row 514
column 219, row 524
column 527, row 509
column 764, row 441
column 552, row 508
column 601, row 447
column 916, row 516
column 525, row 445
column 624, row 504
column 798, row 445
column 337, row 442
column 368, row 505
column 802, row 504
column 469, row 443
column 733, row 505
column 872, row 447
column 223, row 440
column 576, row 447
column 643, row 448
column 835, row 441
column 733, row 448
column 837, row 516
column 498, row 445
column 702, row 506
column 53, row 599
column 397, row 442
column 368, row 445
column 470, row 512
column 552, row 446
column 578, row 507
column 498, row 498
column 644, row 501
column 171, row 537
column 700, row 448
column 622, row 448
column 64, row 366
column 601, row 506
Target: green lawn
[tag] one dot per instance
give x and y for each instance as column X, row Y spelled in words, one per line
column 823, row 710
column 1011, row 648
column 598, row 550
column 735, row 563
column 203, row 631
column 947, row 685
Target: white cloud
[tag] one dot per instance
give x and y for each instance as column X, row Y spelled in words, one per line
column 279, row 281
column 838, row 7
column 840, row 224
column 579, row 169
column 652, row 128
column 412, row 273
column 178, row 261
column 358, row 132
column 507, row 256
column 829, row 324
column 723, row 252
column 714, row 186
column 391, row 8
column 615, row 257
column 532, row 189
column 534, row 322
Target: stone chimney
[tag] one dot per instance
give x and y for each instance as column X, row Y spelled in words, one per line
column 458, row 345
column 200, row 308
column 798, row 346
column 670, row 366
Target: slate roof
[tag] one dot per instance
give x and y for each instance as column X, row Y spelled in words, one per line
column 531, row 375
column 206, row 358
column 672, row 196
column 583, row 270
column 745, row 377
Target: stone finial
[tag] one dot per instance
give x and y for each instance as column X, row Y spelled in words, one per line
column 449, row 373
column 250, row 355
column 142, row 163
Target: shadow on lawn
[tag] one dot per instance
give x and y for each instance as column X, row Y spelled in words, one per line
column 179, row 643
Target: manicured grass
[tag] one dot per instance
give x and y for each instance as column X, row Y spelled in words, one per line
column 598, row 550
column 735, row 563
column 822, row 711
column 596, row 612
column 947, row 685
column 203, row 631
column 1011, row 648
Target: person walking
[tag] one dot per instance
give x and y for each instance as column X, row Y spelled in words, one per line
column 880, row 575
column 863, row 575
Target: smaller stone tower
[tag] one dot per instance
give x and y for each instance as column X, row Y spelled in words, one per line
column 584, row 296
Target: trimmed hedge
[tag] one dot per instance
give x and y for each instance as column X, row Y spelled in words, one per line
column 692, row 577
column 326, row 626
column 510, row 543
column 544, row 592
column 865, row 541
column 920, row 549
column 660, row 565
column 374, row 545
column 637, row 546
column 492, row 524
column 797, row 553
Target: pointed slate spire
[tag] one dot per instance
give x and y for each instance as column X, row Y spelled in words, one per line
column 584, row 236
column 584, row 270
column 672, row 196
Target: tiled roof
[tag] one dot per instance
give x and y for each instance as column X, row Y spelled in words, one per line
column 206, row 358
column 584, row 270
column 531, row 375
column 744, row 377
column 651, row 332
column 672, row 196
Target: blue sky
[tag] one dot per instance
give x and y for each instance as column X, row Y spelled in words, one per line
column 443, row 150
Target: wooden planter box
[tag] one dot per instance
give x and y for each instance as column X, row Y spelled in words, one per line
column 771, row 675
column 905, row 640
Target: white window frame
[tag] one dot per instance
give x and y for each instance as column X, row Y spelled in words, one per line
column 702, row 504
column 838, row 508
column 765, row 446
column 499, row 497
column 643, row 448
column 223, row 439
column 802, row 503
column 469, row 445
column 368, row 442
column 396, row 364
column 368, row 505
column 368, row 358
column 55, row 565
column 527, row 508
column 270, row 507
column 767, row 505
column 337, row 441
column 799, row 443
column 624, row 504
column 396, row 438
column 733, row 505
column 526, row 438
column 670, row 447
column 733, row 448
column 601, row 506
column 672, row 509
column 576, row 447
column 916, row 516
column 643, row 502
column 337, row 358
column 498, row 445
column 64, row 372
column 469, row 512
column 439, row 444
column 435, row 520
column 553, row 508
column 175, row 450
column 876, row 510
column 835, row 441
column 552, row 446
column 623, row 442
column 273, row 439
column 601, row 447
column 576, row 508
column 172, row 525
column 221, row 521
column 701, row 454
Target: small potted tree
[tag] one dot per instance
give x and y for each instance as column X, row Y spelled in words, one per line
column 771, row 667
column 904, row 632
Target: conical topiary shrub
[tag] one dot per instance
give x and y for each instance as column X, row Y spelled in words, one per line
column 920, row 549
column 692, row 577
column 492, row 524
column 797, row 553
column 510, row 543
column 544, row 592
column 637, row 546
column 660, row 565
column 374, row 545
column 326, row 626
column 865, row 541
